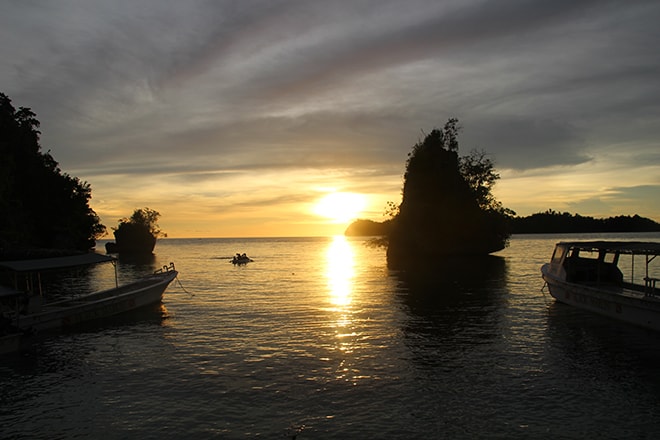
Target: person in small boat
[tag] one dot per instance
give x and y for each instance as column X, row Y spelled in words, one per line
column 241, row 259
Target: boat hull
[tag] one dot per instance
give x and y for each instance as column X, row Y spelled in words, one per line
column 627, row 306
column 64, row 314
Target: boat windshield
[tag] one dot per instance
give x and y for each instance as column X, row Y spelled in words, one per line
column 558, row 255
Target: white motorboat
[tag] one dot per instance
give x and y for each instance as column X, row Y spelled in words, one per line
column 613, row 278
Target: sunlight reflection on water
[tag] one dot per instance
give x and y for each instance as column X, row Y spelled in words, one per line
column 340, row 270
column 320, row 333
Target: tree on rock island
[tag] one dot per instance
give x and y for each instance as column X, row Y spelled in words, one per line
column 137, row 234
column 447, row 207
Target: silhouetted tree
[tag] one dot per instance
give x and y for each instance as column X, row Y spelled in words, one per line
column 41, row 206
column 137, row 234
column 447, row 206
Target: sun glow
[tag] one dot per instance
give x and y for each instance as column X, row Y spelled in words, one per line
column 340, row 207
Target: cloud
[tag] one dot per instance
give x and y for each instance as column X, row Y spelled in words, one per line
column 205, row 92
column 620, row 201
column 526, row 143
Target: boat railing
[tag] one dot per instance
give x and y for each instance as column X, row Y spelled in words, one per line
column 166, row 268
column 649, row 285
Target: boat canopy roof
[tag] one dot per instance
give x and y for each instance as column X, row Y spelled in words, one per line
column 42, row 264
column 622, row 247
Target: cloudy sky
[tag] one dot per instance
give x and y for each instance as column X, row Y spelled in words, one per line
column 234, row 118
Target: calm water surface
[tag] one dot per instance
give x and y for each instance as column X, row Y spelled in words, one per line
column 318, row 337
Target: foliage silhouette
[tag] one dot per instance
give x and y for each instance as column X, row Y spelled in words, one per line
column 361, row 227
column 548, row 222
column 447, row 207
column 137, row 234
column 42, row 207
column 555, row 222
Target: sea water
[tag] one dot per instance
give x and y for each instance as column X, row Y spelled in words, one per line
column 317, row 338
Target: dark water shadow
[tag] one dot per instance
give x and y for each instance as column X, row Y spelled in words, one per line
column 137, row 260
column 455, row 296
column 148, row 314
column 42, row 352
column 588, row 345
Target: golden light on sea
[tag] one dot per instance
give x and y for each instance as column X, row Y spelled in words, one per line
column 340, row 271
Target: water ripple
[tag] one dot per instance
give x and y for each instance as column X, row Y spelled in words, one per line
column 317, row 338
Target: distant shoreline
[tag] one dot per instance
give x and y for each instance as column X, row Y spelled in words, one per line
column 549, row 222
column 328, row 237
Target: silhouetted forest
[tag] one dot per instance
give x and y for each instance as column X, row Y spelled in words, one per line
column 548, row 222
column 41, row 207
column 447, row 206
column 563, row 222
column 365, row 228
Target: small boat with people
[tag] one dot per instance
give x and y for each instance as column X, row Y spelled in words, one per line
column 26, row 308
column 618, row 279
column 240, row 259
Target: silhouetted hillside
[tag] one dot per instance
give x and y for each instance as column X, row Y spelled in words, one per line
column 447, row 206
column 41, row 207
column 556, row 222
column 548, row 222
column 368, row 228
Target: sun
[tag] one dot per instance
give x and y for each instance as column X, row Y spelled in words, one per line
column 340, row 207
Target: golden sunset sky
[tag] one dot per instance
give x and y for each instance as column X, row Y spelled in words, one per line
column 234, row 119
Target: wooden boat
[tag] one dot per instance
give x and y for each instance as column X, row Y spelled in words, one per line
column 33, row 313
column 590, row 275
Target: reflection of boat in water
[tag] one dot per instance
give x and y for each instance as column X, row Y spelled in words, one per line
column 10, row 342
column 588, row 275
column 31, row 312
column 241, row 259
column 10, row 335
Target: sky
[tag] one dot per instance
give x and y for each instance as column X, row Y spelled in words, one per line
column 235, row 118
